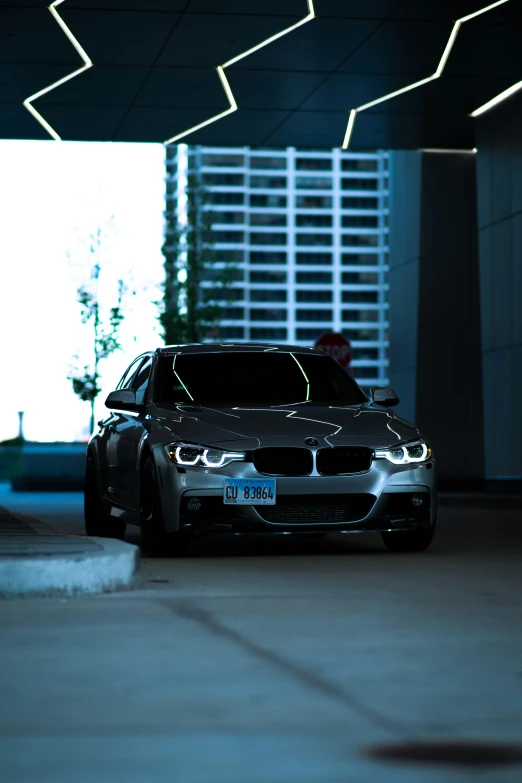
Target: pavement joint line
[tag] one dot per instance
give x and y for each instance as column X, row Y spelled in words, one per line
column 190, row 611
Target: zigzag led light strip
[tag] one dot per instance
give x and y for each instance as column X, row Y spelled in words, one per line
column 497, row 99
column 87, row 64
column 224, row 81
column 440, row 68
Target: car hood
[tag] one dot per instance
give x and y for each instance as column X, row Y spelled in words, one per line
column 290, row 425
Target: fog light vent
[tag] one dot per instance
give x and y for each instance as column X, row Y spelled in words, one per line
column 193, row 504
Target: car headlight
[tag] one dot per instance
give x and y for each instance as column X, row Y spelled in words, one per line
column 416, row 451
column 194, row 455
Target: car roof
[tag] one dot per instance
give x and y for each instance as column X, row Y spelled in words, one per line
column 235, row 348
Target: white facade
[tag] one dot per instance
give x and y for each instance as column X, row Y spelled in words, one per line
column 308, row 233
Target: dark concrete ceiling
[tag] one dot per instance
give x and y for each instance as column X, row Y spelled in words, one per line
column 155, row 61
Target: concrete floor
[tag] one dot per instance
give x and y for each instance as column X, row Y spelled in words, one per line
column 269, row 661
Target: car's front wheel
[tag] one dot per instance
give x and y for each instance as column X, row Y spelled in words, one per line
column 409, row 540
column 155, row 540
column 98, row 521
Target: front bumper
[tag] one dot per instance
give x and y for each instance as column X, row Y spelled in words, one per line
column 386, row 497
column 288, row 514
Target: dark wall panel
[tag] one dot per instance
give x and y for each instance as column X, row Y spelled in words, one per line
column 449, row 373
column 500, row 251
column 435, row 347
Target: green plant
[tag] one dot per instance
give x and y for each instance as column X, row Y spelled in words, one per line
column 189, row 312
column 105, row 331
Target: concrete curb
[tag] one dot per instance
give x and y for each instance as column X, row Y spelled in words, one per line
column 113, row 566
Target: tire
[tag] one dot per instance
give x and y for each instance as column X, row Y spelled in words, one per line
column 155, row 540
column 409, row 540
column 98, row 521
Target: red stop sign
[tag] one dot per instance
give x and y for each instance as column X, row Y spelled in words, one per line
column 337, row 346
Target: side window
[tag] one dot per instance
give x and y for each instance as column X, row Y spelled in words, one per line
column 126, row 381
column 141, row 381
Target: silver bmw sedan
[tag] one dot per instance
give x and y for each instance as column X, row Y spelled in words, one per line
column 246, row 439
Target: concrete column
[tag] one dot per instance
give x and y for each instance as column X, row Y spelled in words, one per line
column 403, row 276
column 435, row 343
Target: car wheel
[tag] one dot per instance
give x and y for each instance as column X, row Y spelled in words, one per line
column 409, row 540
column 155, row 540
column 98, row 521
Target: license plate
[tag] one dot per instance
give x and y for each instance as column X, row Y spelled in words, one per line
column 250, row 492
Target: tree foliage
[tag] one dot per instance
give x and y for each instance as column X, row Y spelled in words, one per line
column 105, row 330
column 173, row 324
column 187, row 311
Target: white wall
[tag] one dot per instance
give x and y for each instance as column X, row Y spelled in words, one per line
column 52, row 196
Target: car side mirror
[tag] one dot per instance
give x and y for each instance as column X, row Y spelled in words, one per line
column 384, row 396
column 123, row 399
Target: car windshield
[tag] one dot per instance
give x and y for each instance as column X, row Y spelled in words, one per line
column 260, row 377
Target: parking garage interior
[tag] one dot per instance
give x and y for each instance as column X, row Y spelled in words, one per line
column 302, row 660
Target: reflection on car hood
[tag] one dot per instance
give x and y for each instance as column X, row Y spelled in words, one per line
column 256, row 426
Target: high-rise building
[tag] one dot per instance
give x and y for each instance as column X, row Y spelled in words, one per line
column 307, row 231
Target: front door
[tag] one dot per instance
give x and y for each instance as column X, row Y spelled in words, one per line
column 123, row 444
column 121, row 469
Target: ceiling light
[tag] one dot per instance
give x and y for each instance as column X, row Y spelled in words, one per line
column 224, row 81
column 310, row 15
column 349, row 128
column 497, row 99
column 449, row 150
column 87, row 64
column 232, row 108
column 440, row 68
column 481, row 11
